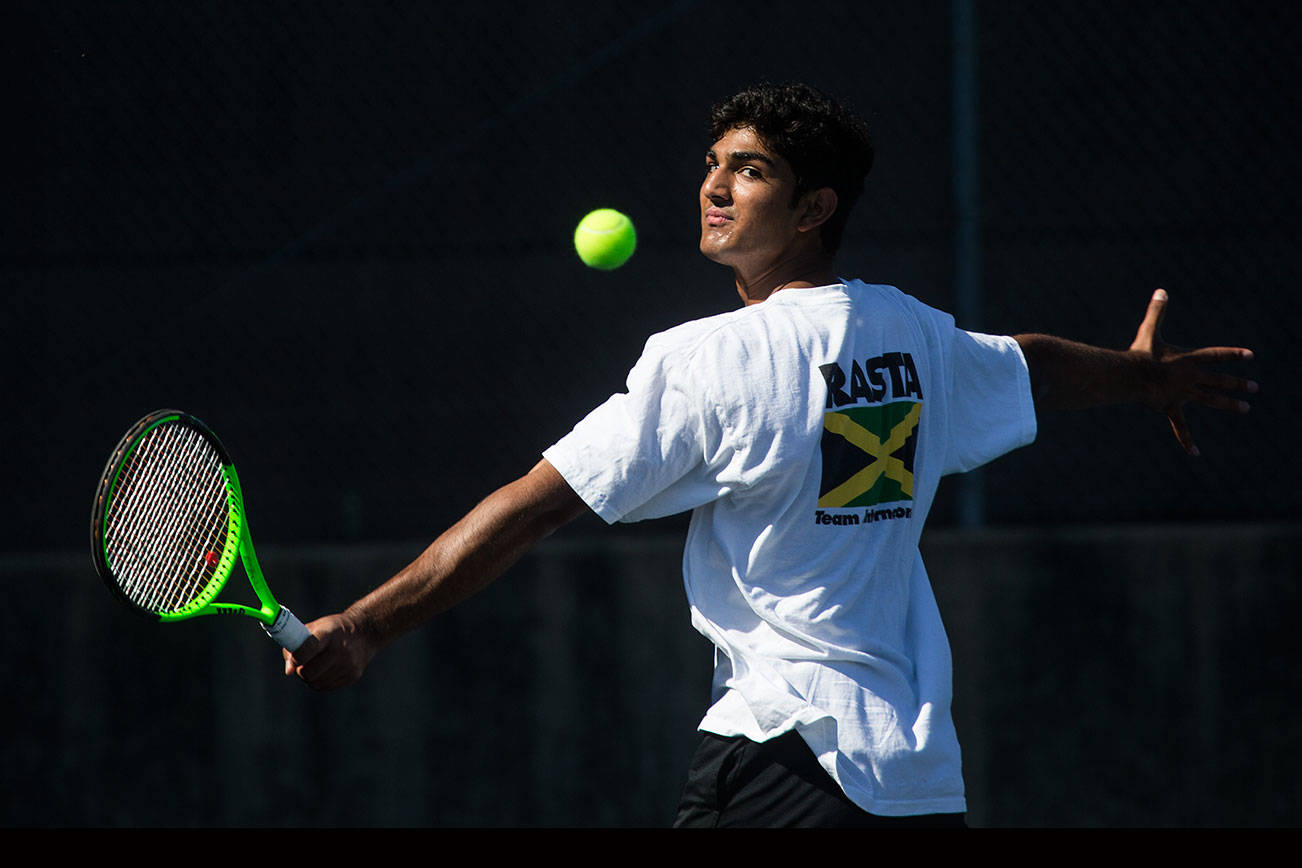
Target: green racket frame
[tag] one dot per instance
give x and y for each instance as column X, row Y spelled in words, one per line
column 237, row 544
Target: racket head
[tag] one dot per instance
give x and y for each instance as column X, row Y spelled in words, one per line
column 168, row 519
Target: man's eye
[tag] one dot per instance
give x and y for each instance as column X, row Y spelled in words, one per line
column 751, row 172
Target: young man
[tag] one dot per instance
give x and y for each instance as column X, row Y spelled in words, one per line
column 807, row 431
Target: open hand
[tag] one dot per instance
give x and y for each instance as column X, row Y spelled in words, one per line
column 1181, row 376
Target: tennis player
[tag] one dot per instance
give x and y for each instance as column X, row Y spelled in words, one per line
column 807, row 432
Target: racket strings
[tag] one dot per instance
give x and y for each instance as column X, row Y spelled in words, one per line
column 167, row 522
column 181, row 521
column 145, row 497
column 181, row 536
column 175, row 496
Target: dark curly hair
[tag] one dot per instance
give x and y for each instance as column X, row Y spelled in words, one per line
column 825, row 144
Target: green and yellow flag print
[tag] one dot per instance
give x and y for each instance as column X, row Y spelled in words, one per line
column 868, row 454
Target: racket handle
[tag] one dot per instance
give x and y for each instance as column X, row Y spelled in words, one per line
column 287, row 630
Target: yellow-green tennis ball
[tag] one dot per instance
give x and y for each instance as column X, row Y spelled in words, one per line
column 605, row 239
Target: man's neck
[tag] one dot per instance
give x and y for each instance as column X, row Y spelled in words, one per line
column 794, row 274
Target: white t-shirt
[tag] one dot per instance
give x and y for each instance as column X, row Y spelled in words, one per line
column 808, row 434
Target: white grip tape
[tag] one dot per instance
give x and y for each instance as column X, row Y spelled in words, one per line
column 287, row 630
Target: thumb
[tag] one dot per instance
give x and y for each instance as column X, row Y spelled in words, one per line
column 1147, row 337
column 310, row 648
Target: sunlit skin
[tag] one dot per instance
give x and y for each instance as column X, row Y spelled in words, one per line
column 750, row 222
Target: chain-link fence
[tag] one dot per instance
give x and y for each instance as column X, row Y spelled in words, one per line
column 339, row 233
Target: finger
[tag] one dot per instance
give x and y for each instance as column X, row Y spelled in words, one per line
column 1228, row 383
column 310, row 648
column 323, row 681
column 1220, row 354
column 1217, row 401
column 322, row 673
column 330, row 671
column 1181, row 429
column 295, row 660
column 330, row 681
column 1151, row 326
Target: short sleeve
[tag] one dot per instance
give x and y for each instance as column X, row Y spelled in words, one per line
column 643, row 453
column 991, row 410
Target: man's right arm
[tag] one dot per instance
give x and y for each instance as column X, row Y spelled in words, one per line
column 461, row 562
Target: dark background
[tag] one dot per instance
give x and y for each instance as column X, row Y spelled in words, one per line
column 340, row 234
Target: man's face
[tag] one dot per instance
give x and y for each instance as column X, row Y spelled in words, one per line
column 747, row 216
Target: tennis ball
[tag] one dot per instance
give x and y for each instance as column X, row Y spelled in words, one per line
column 605, row 239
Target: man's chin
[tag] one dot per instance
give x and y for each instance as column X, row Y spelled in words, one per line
column 713, row 252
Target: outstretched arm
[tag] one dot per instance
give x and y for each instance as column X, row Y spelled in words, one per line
column 1067, row 375
column 469, row 555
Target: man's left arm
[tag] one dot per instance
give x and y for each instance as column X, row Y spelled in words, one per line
column 1067, row 375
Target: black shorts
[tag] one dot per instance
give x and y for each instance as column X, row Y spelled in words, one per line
column 735, row 782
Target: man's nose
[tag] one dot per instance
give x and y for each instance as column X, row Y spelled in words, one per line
column 715, row 187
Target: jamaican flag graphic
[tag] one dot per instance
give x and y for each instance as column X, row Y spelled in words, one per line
column 868, row 454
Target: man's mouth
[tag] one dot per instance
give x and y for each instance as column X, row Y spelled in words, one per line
column 716, row 217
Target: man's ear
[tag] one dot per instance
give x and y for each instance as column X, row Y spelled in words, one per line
column 818, row 205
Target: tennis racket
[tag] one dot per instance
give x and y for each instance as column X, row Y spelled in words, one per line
column 168, row 525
